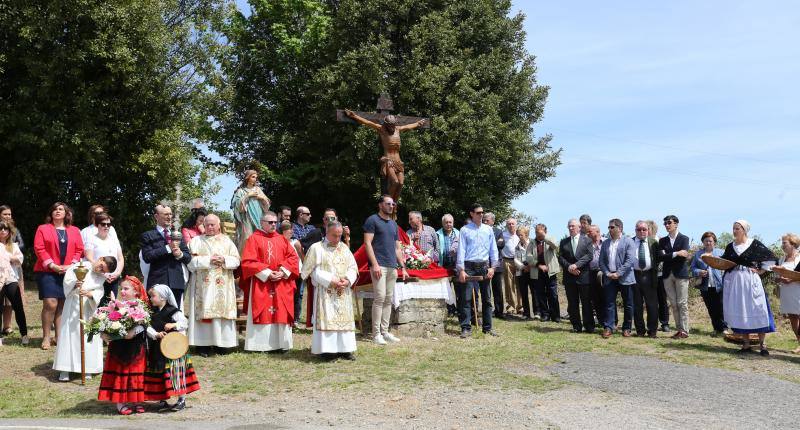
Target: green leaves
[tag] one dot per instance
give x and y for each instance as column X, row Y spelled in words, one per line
column 461, row 63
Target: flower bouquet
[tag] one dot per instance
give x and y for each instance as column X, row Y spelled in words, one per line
column 117, row 318
column 416, row 259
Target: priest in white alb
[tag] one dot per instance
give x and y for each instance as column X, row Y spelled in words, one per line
column 211, row 295
column 269, row 267
column 68, row 350
column 333, row 271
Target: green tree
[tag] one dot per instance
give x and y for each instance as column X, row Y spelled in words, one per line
column 103, row 101
column 462, row 63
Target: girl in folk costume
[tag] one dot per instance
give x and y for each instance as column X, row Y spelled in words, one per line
column 123, row 374
column 166, row 378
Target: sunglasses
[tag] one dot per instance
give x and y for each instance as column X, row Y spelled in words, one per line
column 641, row 229
column 668, row 222
column 612, row 227
column 306, row 213
column 105, row 224
column 271, row 222
column 5, row 228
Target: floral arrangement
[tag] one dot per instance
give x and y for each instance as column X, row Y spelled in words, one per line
column 416, row 259
column 117, row 317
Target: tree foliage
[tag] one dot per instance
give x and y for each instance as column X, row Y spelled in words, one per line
column 103, row 102
column 291, row 63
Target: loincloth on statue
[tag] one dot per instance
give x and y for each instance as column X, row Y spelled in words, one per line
column 388, row 163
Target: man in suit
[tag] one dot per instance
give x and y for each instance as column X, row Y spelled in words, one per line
column 574, row 256
column 165, row 257
column 645, row 292
column 617, row 257
column 674, row 250
column 543, row 261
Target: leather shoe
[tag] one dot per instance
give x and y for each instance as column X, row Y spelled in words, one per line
column 652, row 335
column 465, row 333
column 491, row 333
column 606, row 333
column 626, row 333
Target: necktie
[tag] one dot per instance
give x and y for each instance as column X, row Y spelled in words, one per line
column 574, row 244
column 642, row 263
column 166, row 235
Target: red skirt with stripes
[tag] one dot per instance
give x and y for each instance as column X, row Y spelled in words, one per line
column 123, row 382
column 175, row 379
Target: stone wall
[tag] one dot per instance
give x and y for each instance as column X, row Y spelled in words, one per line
column 414, row 318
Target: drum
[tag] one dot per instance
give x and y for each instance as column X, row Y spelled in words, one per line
column 174, row 345
column 787, row 273
column 717, row 262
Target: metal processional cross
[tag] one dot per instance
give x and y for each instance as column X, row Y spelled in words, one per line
column 178, row 205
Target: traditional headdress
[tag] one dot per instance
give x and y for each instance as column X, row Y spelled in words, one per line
column 140, row 290
column 166, row 293
column 745, row 225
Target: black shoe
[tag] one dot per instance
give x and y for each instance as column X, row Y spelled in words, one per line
column 576, row 330
column 664, row 327
column 163, row 406
column 465, row 333
column 491, row 333
column 764, row 352
column 349, row 356
column 179, row 406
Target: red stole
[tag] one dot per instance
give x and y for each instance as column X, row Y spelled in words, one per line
column 272, row 301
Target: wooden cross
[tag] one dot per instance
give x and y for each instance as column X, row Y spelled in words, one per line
column 178, row 204
column 384, row 108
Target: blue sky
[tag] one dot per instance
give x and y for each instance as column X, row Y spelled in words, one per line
column 685, row 108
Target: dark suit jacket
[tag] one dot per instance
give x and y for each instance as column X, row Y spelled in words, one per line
column 676, row 265
column 164, row 267
column 582, row 257
column 655, row 254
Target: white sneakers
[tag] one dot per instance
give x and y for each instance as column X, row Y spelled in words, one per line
column 63, row 376
column 390, row 337
column 381, row 339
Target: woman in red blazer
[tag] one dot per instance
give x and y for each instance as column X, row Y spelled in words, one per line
column 57, row 245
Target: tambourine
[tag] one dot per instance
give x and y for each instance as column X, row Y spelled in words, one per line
column 174, row 345
column 717, row 262
column 787, row 273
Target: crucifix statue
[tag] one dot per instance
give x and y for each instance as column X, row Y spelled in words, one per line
column 178, row 204
column 389, row 128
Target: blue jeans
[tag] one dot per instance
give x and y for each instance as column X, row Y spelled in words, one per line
column 545, row 289
column 298, row 298
column 464, row 292
column 611, row 288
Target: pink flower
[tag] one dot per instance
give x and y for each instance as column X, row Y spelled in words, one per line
column 114, row 316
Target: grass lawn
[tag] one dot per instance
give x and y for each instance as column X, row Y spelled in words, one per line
column 516, row 360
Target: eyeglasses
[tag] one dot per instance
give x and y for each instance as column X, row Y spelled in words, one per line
column 271, row 222
column 641, row 229
column 105, row 224
column 668, row 222
column 5, row 228
column 306, row 213
column 390, row 203
column 612, row 227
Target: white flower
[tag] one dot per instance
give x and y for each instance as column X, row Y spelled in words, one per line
column 116, row 325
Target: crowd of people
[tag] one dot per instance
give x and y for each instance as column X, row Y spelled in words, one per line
column 193, row 275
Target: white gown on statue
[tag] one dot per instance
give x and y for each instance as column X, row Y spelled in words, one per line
column 68, row 349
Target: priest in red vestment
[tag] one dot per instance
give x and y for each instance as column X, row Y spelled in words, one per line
column 269, row 268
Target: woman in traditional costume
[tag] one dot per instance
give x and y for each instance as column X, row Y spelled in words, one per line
column 123, row 374
column 711, row 282
column 745, row 302
column 790, row 290
column 167, row 378
column 248, row 205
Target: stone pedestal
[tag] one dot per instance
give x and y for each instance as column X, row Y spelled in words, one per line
column 414, row 318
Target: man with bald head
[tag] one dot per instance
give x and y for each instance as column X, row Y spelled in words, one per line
column 165, row 256
column 211, row 295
